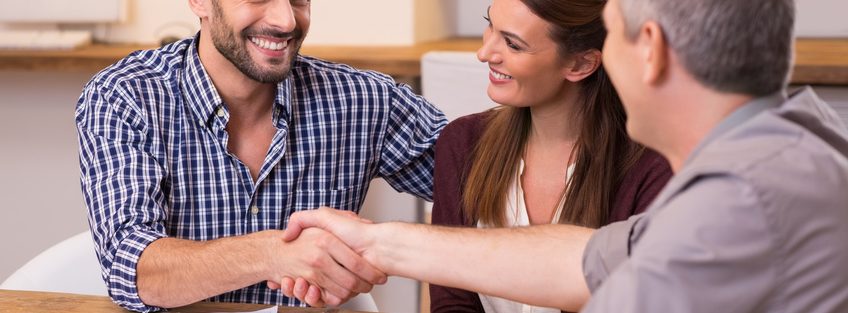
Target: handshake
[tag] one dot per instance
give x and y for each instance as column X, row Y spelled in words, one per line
column 344, row 262
column 342, row 255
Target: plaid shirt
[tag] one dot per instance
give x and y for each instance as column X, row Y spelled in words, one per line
column 154, row 162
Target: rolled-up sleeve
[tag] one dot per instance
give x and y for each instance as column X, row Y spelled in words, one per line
column 607, row 249
column 122, row 188
column 407, row 157
column 708, row 249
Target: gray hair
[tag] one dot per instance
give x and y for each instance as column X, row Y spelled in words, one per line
column 737, row 46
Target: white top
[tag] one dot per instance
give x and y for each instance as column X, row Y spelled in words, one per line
column 516, row 215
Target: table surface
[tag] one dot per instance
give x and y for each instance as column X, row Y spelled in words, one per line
column 48, row 302
column 817, row 61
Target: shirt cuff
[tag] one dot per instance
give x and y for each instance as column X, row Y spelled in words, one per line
column 608, row 247
column 122, row 275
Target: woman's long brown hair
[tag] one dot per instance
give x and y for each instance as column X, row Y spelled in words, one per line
column 603, row 153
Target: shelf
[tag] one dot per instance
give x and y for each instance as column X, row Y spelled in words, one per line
column 818, row 61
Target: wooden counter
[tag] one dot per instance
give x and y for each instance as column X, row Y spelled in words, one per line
column 818, row 61
column 49, row 302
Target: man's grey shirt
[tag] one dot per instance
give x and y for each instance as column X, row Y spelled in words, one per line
column 755, row 221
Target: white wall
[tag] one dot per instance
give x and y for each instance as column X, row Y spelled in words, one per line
column 39, row 171
column 821, row 18
column 470, row 22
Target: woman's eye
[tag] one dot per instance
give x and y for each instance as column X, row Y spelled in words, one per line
column 511, row 45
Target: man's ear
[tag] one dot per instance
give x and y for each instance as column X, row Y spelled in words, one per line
column 582, row 65
column 653, row 52
column 201, row 8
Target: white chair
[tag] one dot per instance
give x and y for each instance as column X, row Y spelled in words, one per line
column 71, row 266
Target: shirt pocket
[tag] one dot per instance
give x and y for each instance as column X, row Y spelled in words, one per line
column 348, row 199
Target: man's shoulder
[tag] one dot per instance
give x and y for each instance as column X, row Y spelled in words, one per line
column 791, row 157
column 143, row 65
column 312, row 69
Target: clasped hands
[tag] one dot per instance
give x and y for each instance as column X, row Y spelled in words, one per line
column 342, row 265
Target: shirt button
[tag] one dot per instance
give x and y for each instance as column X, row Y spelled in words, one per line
column 201, row 123
column 254, row 210
column 220, row 112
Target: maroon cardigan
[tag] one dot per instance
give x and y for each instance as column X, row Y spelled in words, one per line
column 453, row 152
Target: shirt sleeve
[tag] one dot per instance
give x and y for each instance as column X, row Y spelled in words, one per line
column 608, row 248
column 122, row 188
column 707, row 249
column 408, row 148
column 451, row 156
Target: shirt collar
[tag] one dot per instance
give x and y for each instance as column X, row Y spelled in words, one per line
column 739, row 116
column 199, row 92
column 203, row 98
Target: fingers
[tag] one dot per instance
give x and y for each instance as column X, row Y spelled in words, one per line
column 323, row 269
column 272, row 285
column 331, row 299
column 342, row 283
column 304, row 219
column 310, row 294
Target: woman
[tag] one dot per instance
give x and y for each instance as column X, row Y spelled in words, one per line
column 557, row 150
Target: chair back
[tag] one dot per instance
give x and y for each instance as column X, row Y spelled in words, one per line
column 70, row 266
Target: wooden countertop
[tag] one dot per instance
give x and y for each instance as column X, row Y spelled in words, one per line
column 818, row 61
column 48, row 302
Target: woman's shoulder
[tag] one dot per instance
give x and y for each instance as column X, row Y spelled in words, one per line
column 642, row 183
column 651, row 160
column 473, row 122
column 650, row 168
column 466, row 130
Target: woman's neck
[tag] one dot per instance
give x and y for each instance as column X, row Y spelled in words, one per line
column 555, row 123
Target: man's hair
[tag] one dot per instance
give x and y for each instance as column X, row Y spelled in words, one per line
column 736, row 46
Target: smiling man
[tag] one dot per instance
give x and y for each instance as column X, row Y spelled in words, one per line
column 193, row 156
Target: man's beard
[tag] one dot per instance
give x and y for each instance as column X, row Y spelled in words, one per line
column 235, row 50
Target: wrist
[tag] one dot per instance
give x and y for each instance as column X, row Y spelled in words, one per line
column 266, row 246
column 381, row 245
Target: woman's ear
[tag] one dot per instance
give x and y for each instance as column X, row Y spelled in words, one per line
column 582, row 65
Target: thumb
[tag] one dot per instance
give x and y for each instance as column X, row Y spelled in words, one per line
column 300, row 221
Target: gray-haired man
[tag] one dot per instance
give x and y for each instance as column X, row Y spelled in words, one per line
column 753, row 221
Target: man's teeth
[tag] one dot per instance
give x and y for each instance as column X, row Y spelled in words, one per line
column 500, row 76
column 265, row 44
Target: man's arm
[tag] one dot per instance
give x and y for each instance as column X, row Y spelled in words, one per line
column 540, row 265
column 709, row 249
column 122, row 180
column 406, row 156
column 174, row 272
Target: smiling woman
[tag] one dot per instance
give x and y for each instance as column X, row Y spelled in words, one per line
column 556, row 151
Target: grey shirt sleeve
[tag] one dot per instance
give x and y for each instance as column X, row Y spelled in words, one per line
column 606, row 250
column 709, row 246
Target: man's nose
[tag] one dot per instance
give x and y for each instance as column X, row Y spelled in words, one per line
column 280, row 15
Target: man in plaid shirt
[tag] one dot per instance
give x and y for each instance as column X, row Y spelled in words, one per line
column 193, row 156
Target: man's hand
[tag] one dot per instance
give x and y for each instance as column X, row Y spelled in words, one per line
column 345, row 225
column 322, row 260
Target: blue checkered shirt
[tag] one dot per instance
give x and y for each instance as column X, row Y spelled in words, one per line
column 154, row 160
